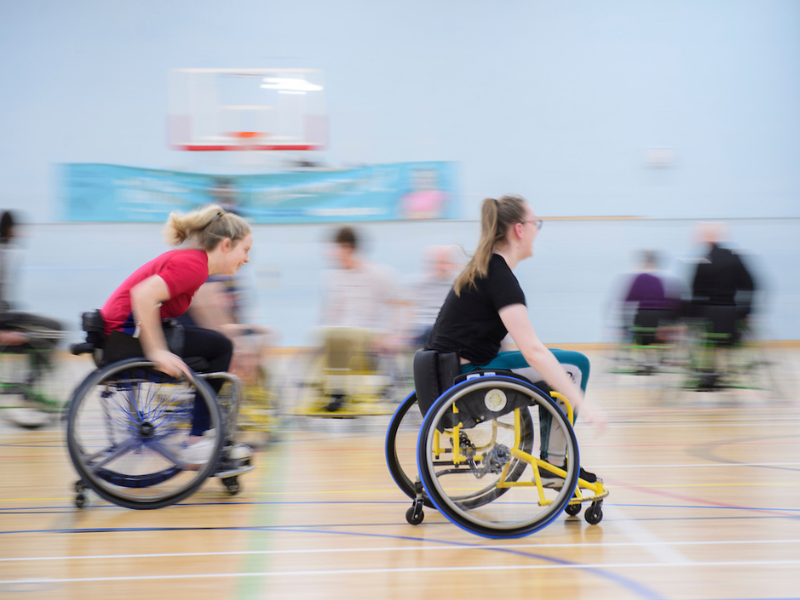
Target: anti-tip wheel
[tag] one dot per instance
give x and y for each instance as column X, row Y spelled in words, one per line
column 80, row 501
column 232, row 485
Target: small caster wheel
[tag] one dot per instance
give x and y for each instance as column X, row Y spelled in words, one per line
column 573, row 509
column 415, row 514
column 80, row 486
column 594, row 514
column 80, row 500
column 232, row 485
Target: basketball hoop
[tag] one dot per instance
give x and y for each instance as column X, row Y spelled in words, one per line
column 251, row 110
column 248, row 140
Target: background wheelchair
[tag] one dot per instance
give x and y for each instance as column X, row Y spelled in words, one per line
column 128, row 422
column 651, row 345
column 29, row 382
column 473, row 451
column 726, row 354
column 347, row 378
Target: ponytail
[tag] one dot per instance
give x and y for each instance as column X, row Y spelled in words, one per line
column 496, row 217
column 206, row 226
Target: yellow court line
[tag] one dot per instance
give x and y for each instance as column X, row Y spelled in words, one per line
column 318, row 492
column 32, row 500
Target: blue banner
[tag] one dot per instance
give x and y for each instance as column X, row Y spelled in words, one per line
column 419, row 190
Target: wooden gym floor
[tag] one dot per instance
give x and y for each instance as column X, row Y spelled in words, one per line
column 704, row 504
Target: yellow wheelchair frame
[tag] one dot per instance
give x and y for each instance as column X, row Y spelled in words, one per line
column 347, row 369
column 597, row 491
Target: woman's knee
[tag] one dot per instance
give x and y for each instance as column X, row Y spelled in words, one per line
column 580, row 360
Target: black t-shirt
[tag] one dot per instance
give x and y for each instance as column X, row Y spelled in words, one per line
column 470, row 324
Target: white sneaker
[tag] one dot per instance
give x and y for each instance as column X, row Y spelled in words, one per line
column 238, row 451
column 197, row 454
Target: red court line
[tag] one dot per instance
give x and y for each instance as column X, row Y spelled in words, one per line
column 700, row 500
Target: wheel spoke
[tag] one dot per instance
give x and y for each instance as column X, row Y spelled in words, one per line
column 114, row 453
column 168, row 454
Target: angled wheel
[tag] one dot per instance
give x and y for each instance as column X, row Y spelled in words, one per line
column 479, row 460
column 126, row 429
column 401, row 446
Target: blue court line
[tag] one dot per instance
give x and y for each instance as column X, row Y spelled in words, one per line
column 370, row 525
column 631, row 585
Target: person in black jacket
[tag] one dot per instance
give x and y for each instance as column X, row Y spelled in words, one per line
column 721, row 278
column 722, row 295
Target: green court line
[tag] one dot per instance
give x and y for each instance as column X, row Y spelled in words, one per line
column 272, row 477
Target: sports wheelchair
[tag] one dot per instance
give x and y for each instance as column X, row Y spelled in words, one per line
column 650, row 345
column 347, row 378
column 466, row 445
column 29, row 382
column 128, row 423
column 726, row 354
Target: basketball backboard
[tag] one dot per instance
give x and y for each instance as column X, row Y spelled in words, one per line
column 247, row 109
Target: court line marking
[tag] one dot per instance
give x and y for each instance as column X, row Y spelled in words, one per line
column 255, row 560
column 403, row 549
column 70, row 509
column 472, row 568
column 646, row 539
column 317, row 492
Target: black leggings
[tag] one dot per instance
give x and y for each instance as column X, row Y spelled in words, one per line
column 218, row 351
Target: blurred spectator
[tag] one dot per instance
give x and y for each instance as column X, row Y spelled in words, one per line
column 722, row 296
column 217, row 305
column 363, row 311
column 20, row 329
column 361, row 294
column 655, row 299
column 721, row 277
column 223, row 194
column 429, row 290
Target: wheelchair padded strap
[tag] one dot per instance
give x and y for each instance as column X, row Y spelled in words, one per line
column 434, row 373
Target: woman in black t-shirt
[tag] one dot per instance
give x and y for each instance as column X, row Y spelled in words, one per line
column 487, row 302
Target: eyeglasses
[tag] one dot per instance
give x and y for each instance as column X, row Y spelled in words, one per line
column 537, row 222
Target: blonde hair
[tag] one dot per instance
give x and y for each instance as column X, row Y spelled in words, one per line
column 206, row 227
column 496, row 218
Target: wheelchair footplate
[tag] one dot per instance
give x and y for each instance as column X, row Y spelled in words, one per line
column 233, row 470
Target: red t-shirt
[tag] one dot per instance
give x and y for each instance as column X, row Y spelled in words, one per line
column 182, row 270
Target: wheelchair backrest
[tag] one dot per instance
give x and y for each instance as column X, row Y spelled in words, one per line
column 95, row 328
column 434, row 372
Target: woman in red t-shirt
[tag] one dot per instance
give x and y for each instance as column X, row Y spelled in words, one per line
column 216, row 242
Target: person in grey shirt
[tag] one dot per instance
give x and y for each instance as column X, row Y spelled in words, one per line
column 429, row 290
